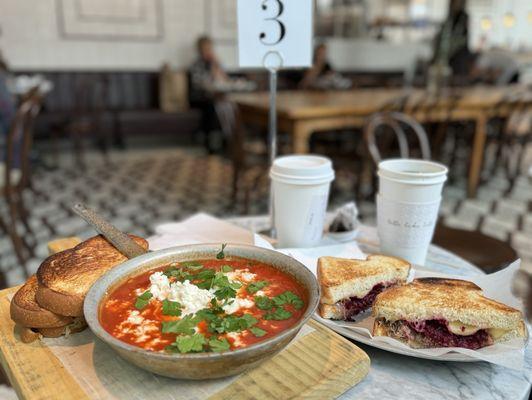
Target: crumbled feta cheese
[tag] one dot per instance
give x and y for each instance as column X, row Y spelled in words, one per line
column 160, row 285
column 191, row 297
column 237, row 304
column 240, row 276
column 236, row 336
column 135, row 318
column 260, row 293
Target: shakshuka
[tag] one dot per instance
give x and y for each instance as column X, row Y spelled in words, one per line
column 203, row 306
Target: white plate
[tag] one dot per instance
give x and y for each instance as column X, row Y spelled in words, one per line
column 351, row 334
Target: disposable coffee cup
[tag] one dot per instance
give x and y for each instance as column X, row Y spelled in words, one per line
column 407, row 206
column 300, row 187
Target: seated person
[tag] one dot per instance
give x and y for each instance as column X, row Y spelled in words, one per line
column 205, row 72
column 321, row 75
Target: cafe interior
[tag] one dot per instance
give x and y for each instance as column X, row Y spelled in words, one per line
column 139, row 109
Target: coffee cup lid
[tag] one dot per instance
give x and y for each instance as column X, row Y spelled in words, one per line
column 302, row 169
column 412, row 171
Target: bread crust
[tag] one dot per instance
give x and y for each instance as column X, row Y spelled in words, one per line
column 65, row 278
column 341, row 278
column 329, row 311
column 27, row 335
column 77, row 326
column 25, row 310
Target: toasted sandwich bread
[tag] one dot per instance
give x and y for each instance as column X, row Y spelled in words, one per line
column 78, row 325
column 66, row 277
column 27, row 335
column 343, row 279
column 27, row 312
column 456, row 309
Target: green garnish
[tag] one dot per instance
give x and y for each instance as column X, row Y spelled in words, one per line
column 257, row 331
column 172, row 308
column 278, row 315
column 226, row 268
column 254, row 287
column 225, row 293
column 192, row 265
column 183, row 326
column 221, row 254
column 263, row 302
column 232, row 323
column 181, row 274
column 288, row 297
column 219, row 344
column 143, row 300
column 190, row 344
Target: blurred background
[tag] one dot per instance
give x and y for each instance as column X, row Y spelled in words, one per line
column 138, row 108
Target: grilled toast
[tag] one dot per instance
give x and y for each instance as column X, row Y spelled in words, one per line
column 27, row 312
column 66, row 277
column 349, row 286
column 455, row 308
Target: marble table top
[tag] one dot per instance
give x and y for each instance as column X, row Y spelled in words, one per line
column 397, row 377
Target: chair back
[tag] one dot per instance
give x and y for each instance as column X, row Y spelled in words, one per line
column 20, row 140
column 396, row 122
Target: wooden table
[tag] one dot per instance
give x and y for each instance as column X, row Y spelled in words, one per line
column 301, row 113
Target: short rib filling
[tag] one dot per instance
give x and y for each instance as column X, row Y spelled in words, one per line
column 435, row 333
column 354, row 306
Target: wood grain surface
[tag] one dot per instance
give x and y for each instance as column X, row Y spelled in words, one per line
column 320, row 365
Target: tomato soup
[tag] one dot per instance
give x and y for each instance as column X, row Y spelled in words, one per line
column 203, row 306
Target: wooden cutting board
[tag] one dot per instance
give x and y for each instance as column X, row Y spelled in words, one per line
column 320, row 365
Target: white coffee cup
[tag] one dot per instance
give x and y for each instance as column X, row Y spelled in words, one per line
column 300, row 187
column 407, row 206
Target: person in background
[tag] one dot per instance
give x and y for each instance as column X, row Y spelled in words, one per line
column 321, row 75
column 204, row 73
column 7, row 101
column 496, row 66
column 451, row 42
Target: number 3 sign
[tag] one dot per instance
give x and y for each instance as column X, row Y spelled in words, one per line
column 275, row 33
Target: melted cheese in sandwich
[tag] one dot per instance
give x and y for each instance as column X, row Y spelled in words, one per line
column 458, row 328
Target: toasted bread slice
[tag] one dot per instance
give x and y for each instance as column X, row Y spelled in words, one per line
column 27, row 312
column 78, row 325
column 331, row 311
column 66, row 277
column 456, row 301
column 27, row 335
column 341, row 278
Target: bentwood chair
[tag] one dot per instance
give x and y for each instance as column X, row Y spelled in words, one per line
column 15, row 178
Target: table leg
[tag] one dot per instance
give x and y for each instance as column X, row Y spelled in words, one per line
column 477, row 154
column 301, row 137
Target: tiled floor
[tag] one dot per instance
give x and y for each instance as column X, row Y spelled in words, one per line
column 142, row 188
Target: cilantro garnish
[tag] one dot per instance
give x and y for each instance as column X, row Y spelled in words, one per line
column 254, row 287
column 288, row 297
column 263, row 302
column 257, row 331
column 143, row 300
column 221, row 254
column 278, row 315
column 226, row 268
column 172, row 308
column 219, row 344
column 192, row 265
column 225, row 293
column 190, row 344
column 183, row 326
column 232, row 323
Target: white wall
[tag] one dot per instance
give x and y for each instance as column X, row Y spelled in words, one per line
column 30, row 39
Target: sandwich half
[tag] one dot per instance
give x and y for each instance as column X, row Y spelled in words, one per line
column 349, row 286
column 65, row 278
column 435, row 312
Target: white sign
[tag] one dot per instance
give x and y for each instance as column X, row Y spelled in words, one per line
column 275, row 33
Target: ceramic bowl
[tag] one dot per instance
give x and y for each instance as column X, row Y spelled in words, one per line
column 199, row 365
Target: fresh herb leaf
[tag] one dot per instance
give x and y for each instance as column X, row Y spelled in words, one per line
column 278, row 315
column 179, row 273
column 232, row 323
column 219, row 344
column 221, row 254
column 225, row 293
column 288, row 297
column 192, row 265
column 254, row 287
column 257, row 331
column 263, row 302
column 205, row 274
column 189, row 344
column 226, row 268
column 183, row 326
column 172, row 308
column 250, row 319
column 143, row 300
